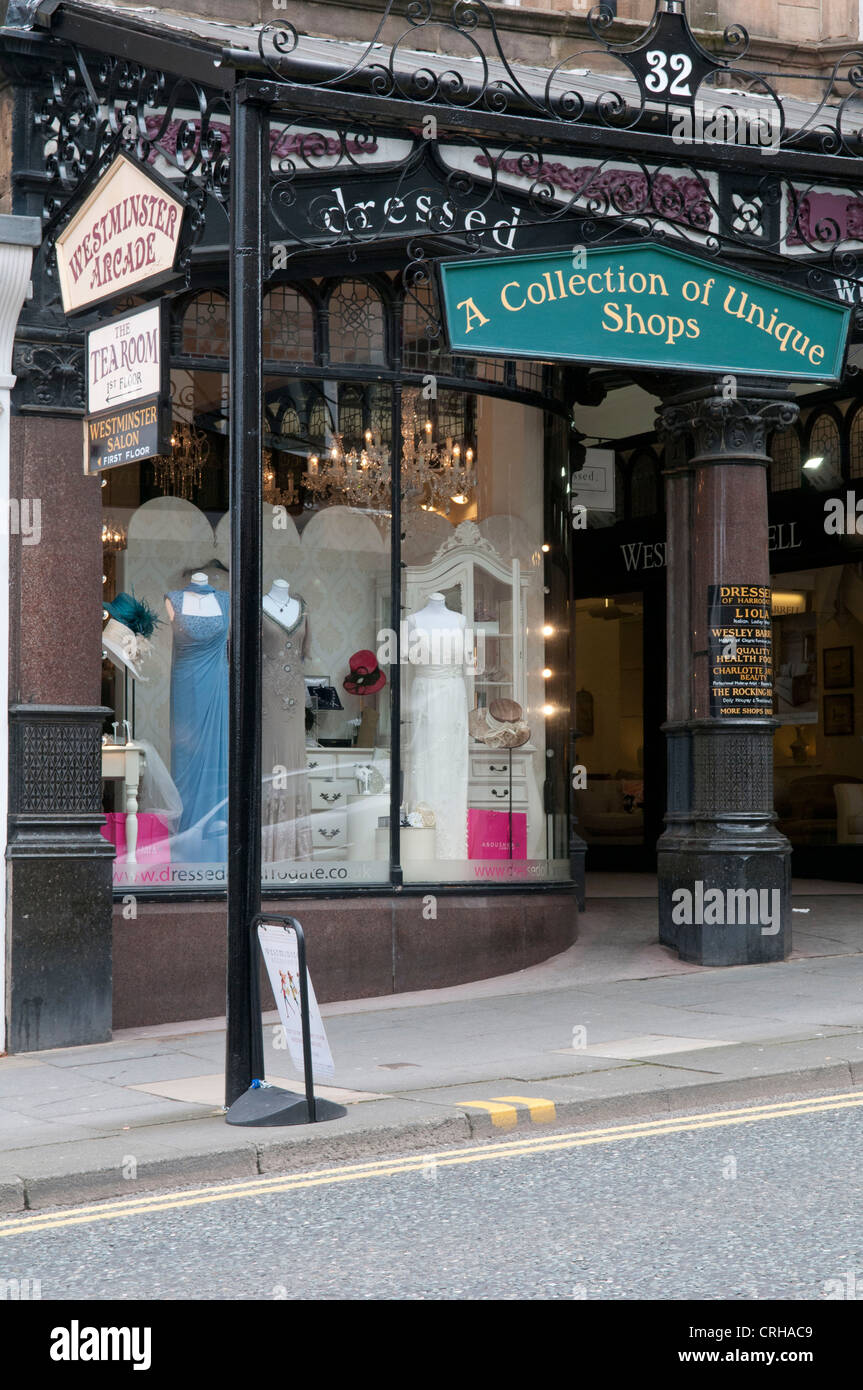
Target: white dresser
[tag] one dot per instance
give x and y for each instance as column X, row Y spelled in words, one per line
column 343, row 818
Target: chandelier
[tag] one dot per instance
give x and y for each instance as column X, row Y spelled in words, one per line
column 114, row 537
column 179, row 473
column 272, row 494
column 433, row 475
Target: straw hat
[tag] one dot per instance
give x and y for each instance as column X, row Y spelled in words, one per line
column 502, row 725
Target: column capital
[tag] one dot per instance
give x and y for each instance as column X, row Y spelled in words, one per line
column 729, row 420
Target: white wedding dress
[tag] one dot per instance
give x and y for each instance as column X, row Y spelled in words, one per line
column 436, row 756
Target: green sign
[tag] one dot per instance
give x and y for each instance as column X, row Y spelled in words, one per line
column 641, row 306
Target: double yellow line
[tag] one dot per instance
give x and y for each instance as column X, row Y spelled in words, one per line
column 424, row 1163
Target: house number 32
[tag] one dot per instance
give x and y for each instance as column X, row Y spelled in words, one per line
column 660, row 80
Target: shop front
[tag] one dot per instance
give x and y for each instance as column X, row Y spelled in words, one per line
column 620, row 641
column 366, row 653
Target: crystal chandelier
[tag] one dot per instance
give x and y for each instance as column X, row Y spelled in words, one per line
column 114, row 537
column 179, row 473
column 433, row 476
column 272, row 494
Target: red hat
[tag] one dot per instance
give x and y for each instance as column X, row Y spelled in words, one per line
column 365, row 675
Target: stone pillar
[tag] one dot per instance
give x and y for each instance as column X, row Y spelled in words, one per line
column 59, row 864
column 18, row 236
column 720, row 825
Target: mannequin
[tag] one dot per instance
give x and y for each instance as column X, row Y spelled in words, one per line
column 198, row 601
column 280, row 606
column 286, row 811
column 437, row 751
column 200, row 617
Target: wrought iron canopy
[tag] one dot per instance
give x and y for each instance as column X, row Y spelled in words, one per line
column 428, row 140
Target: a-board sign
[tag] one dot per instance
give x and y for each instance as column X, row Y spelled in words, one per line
column 641, row 306
column 739, row 650
column 281, row 957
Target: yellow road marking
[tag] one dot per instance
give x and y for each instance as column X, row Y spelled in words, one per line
column 542, row 1112
column 502, row 1116
column 377, row 1168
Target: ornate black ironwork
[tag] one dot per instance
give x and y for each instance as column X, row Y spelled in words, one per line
column 98, row 106
column 723, row 424
column 460, row 62
column 49, row 376
column 437, row 143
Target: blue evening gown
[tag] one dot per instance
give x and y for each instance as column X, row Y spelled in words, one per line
column 199, row 721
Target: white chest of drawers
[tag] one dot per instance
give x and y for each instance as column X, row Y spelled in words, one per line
column 333, row 791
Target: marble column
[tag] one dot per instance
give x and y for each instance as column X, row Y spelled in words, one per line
column 724, row 868
column 18, row 237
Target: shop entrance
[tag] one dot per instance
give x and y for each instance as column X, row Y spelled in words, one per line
column 619, row 710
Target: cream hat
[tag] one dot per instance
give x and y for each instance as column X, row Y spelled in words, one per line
column 124, row 646
column 512, row 732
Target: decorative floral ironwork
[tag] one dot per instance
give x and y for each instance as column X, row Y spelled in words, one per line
column 97, row 106
column 459, row 61
column 656, row 138
column 49, row 376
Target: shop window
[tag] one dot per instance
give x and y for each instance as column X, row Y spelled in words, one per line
column 288, row 331
column 818, row 663
column 785, row 461
column 351, row 414
column 356, row 322
column 318, row 419
column 855, row 445
column 165, row 521
column 205, row 325
column 529, row 375
column 420, row 352
column 644, row 485
column 491, row 369
column 609, row 647
column 825, row 442
column 486, row 724
column 485, row 686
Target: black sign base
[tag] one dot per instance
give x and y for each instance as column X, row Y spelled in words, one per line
column 270, row 1105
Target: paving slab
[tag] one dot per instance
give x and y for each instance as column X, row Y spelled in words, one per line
column 655, row 1036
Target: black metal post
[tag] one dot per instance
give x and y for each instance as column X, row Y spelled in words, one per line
column 249, row 178
column 395, row 618
column 308, row 1070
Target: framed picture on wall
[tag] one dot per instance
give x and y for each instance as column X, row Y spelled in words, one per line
column 838, row 667
column 838, row 714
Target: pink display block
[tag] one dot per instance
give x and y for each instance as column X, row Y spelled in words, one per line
column 488, row 834
column 154, row 837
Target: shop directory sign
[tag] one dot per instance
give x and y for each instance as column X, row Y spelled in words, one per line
column 127, row 387
column 739, row 650
column 641, row 306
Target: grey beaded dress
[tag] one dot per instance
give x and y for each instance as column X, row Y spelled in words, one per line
column 286, row 825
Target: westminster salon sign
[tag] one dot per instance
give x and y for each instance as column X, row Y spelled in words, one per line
column 641, row 306
column 124, row 237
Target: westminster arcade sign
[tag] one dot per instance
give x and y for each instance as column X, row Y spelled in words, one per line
column 641, row 306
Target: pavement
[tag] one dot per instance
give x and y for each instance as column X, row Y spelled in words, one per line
column 614, row 1027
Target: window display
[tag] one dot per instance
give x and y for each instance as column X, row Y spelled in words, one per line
column 818, row 760
column 199, row 712
column 285, row 641
column 466, row 660
column 437, row 753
